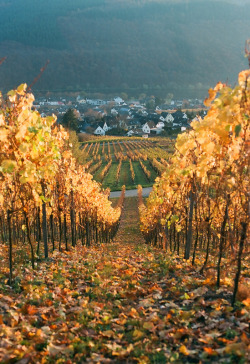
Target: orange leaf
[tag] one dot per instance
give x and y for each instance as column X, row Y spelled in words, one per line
column 133, row 313
column 246, row 302
column 31, row 310
column 245, row 339
column 210, row 351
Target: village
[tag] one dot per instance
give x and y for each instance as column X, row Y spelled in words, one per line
column 143, row 118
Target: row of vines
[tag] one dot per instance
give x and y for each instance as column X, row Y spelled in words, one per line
column 47, row 200
column 100, row 157
column 200, row 206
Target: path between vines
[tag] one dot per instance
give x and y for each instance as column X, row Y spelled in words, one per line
column 120, row 303
column 132, row 193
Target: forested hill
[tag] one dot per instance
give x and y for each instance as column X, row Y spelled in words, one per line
column 137, row 46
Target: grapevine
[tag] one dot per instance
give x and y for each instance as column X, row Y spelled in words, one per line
column 205, row 187
column 132, row 170
column 118, row 171
column 105, row 170
column 44, row 193
column 145, row 170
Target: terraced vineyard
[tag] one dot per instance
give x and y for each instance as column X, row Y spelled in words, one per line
column 134, row 161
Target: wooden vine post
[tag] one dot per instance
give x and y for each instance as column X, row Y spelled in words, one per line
column 44, row 224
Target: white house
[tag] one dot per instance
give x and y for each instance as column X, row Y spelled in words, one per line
column 130, row 133
column 197, row 118
column 105, row 127
column 114, row 112
column 160, row 125
column 96, row 102
column 156, row 131
column 146, row 128
column 99, row 131
column 118, row 100
column 169, row 118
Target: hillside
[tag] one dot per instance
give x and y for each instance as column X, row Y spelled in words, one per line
column 88, row 277
column 111, row 46
column 125, row 302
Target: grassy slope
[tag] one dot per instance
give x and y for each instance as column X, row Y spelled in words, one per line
column 140, row 177
column 98, row 172
column 125, row 176
column 110, row 180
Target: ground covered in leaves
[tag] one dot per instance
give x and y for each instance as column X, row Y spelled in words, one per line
column 120, row 303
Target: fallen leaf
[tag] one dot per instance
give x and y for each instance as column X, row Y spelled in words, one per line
column 148, row 326
column 183, row 350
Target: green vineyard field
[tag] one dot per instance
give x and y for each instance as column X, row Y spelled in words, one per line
column 124, row 151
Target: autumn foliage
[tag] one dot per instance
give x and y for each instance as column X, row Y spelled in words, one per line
column 201, row 202
column 66, row 296
column 44, row 193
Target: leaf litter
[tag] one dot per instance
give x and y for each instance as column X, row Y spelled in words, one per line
column 120, row 303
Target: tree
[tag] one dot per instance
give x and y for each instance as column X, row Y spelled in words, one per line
column 150, row 104
column 142, row 97
column 169, row 98
column 116, row 131
column 90, row 130
column 75, row 147
column 70, row 120
column 124, row 96
column 170, row 131
column 158, row 101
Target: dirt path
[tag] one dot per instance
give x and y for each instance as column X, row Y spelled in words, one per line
column 124, row 302
column 132, row 193
column 129, row 230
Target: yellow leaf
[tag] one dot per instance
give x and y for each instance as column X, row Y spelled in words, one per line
column 137, row 334
column 212, row 94
column 209, row 147
column 8, row 166
column 185, row 296
column 55, row 350
column 108, row 333
column 236, row 348
column 22, row 88
column 183, row 350
column 3, row 134
column 148, row 326
column 106, row 318
column 143, row 360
